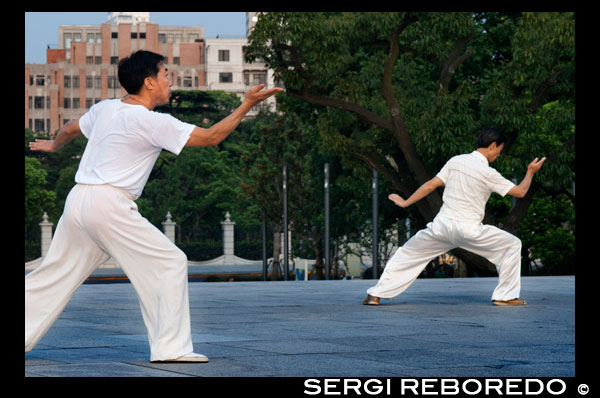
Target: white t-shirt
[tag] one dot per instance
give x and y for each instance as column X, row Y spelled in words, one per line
column 469, row 183
column 124, row 141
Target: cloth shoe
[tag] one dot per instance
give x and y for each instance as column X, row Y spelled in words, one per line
column 371, row 300
column 510, row 302
column 191, row 357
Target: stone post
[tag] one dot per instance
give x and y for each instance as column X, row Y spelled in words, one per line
column 46, row 228
column 228, row 238
column 169, row 227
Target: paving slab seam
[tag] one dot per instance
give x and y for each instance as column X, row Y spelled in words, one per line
column 154, row 367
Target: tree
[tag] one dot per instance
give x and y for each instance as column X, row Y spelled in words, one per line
column 199, row 180
column 291, row 140
column 37, row 200
column 403, row 92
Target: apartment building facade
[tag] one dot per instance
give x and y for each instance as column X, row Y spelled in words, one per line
column 83, row 70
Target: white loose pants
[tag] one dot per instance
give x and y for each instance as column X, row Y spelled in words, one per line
column 100, row 221
column 443, row 234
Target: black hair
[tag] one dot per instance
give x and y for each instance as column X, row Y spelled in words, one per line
column 137, row 67
column 487, row 135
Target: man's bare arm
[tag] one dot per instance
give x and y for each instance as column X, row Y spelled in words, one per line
column 66, row 134
column 218, row 132
column 419, row 194
column 519, row 191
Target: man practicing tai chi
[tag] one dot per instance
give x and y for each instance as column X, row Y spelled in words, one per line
column 469, row 181
column 101, row 219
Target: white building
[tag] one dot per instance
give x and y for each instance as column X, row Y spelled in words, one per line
column 227, row 70
column 127, row 17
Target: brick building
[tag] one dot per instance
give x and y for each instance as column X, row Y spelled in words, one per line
column 83, row 70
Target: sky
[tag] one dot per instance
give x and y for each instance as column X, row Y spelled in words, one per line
column 41, row 28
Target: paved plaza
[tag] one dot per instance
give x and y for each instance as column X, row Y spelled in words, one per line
column 437, row 328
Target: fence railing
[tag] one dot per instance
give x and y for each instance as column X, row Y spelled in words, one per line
column 227, row 258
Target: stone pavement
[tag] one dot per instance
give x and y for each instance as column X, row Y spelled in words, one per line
column 436, row 328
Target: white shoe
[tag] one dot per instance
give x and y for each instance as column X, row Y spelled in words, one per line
column 191, row 357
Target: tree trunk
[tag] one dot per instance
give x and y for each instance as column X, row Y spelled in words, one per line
column 474, row 263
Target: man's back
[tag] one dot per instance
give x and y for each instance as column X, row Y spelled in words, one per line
column 469, row 181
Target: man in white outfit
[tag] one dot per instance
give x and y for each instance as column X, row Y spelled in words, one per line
column 469, row 182
column 101, row 220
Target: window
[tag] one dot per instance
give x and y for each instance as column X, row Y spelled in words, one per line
column 90, row 37
column 225, row 77
column 89, row 60
column 187, row 81
column 224, row 55
column 39, row 124
column 47, row 102
column 38, row 102
column 114, row 60
column 97, row 82
column 195, row 81
column 67, row 37
column 89, row 82
column 88, row 103
column 67, row 103
column 143, row 35
column 40, row 80
column 75, row 81
column 114, row 35
column 98, row 37
column 134, row 35
column 162, row 38
column 98, row 60
column 67, row 81
column 30, row 104
column 176, row 60
column 75, row 103
column 259, row 78
column 76, row 36
column 30, row 80
column 113, row 82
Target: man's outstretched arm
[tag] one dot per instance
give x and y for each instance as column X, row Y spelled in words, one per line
column 66, row 134
column 218, row 132
column 519, row 191
column 419, row 194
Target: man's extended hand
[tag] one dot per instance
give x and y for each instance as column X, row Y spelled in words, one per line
column 397, row 199
column 257, row 94
column 534, row 166
column 42, row 145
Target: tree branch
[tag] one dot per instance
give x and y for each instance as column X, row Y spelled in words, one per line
column 336, row 103
column 384, row 171
column 512, row 220
column 433, row 201
column 541, row 91
column 454, row 60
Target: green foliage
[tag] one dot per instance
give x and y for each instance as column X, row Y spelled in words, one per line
column 455, row 72
column 517, row 73
column 37, row 200
column 548, row 230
